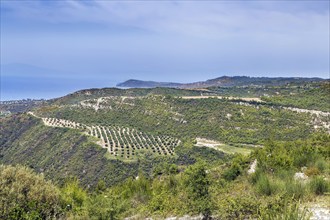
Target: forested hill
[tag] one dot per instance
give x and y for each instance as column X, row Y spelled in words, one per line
column 147, row 84
column 227, row 81
column 85, row 94
column 254, row 152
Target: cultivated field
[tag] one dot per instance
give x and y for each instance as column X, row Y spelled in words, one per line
column 121, row 142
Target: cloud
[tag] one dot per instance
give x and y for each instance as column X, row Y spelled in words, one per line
column 168, row 37
column 181, row 17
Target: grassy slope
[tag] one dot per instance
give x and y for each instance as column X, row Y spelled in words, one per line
column 233, row 150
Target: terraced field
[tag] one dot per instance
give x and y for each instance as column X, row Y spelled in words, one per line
column 121, row 142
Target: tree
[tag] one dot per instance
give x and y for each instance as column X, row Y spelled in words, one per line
column 26, row 195
column 197, row 185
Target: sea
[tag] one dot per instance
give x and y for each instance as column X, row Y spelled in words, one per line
column 18, row 88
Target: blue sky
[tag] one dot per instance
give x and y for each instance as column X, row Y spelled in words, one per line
column 180, row 41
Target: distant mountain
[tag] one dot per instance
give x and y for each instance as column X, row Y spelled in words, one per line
column 224, row 81
column 133, row 83
column 229, row 81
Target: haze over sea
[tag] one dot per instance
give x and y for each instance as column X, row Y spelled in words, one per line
column 15, row 88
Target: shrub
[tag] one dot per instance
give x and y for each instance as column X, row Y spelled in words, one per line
column 264, row 186
column 243, row 206
column 173, row 169
column 295, row 189
column 104, row 206
column 233, row 172
column 197, row 185
column 26, row 195
column 255, row 176
column 100, row 187
column 73, row 196
column 290, row 212
column 312, row 171
column 319, row 185
column 321, row 165
column 285, row 175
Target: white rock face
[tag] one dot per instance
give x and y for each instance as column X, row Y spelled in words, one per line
column 300, row 176
column 253, row 167
column 319, row 213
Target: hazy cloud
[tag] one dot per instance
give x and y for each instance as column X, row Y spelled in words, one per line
column 169, row 39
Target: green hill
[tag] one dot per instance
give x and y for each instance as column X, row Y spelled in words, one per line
column 61, row 153
column 163, row 152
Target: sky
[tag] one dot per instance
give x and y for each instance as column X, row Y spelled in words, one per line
column 92, row 43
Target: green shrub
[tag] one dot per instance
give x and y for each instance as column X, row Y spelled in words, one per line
column 285, row 175
column 100, row 187
column 264, row 186
column 26, row 195
column 197, row 185
column 295, row 189
column 105, row 206
column 173, row 169
column 321, row 165
column 318, row 185
column 289, row 212
column 243, row 206
column 232, row 172
column 255, row 176
column 73, row 196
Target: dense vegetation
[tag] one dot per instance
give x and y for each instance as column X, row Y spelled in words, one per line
column 223, row 120
column 313, row 98
column 20, row 105
column 61, row 152
column 55, row 166
column 95, row 93
column 225, row 81
column 223, row 190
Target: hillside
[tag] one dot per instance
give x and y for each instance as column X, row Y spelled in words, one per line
column 20, row 105
column 228, row 121
column 133, row 83
column 60, row 153
column 131, row 131
column 224, row 81
column 86, row 94
column 226, row 152
column 312, row 98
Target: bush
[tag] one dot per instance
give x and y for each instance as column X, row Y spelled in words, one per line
column 295, row 189
column 100, row 187
column 233, row 172
column 319, row 185
column 104, row 206
column 312, row 171
column 26, row 195
column 73, row 196
column 255, row 176
column 243, row 206
column 264, row 186
column 321, row 165
column 290, row 212
column 197, row 185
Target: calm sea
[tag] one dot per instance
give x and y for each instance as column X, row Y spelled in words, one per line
column 14, row 88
